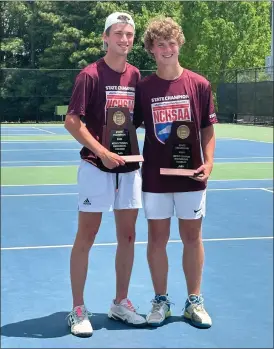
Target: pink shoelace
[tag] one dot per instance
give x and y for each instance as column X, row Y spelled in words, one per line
column 127, row 303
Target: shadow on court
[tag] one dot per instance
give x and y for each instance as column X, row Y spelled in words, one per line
column 55, row 325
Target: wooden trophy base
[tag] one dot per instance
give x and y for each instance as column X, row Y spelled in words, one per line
column 133, row 158
column 177, row 172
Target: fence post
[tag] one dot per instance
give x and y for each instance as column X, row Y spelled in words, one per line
column 236, row 89
column 255, row 98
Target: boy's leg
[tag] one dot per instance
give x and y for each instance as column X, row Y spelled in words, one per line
column 158, row 210
column 88, row 226
column 193, row 253
column 128, row 201
column 125, row 230
column 158, row 235
column 95, row 197
column 190, row 209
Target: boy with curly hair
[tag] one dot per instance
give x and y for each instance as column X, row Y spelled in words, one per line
column 174, row 93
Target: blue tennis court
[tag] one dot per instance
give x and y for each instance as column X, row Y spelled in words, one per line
column 39, row 222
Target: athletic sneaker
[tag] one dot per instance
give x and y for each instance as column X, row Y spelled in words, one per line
column 194, row 311
column 124, row 311
column 79, row 323
column 160, row 310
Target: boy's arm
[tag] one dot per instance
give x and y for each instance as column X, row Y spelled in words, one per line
column 77, row 108
column 208, row 141
column 208, row 148
column 78, row 130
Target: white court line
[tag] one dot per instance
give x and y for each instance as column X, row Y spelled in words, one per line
column 40, row 194
column 140, row 137
column 64, row 194
column 136, row 243
column 26, row 150
column 265, row 189
column 39, row 161
column 39, row 166
column 35, row 185
column 42, row 161
column 47, row 125
column 68, row 161
column 227, row 189
column 68, row 184
column 246, row 157
column 15, row 132
column 68, row 149
column 39, row 141
column 41, row 129
column 78, row 149
column 243, row 162
column 240, row 180
column 22, row 135
column 241, row 139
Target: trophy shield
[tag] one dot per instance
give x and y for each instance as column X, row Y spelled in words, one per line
column 182, row 155
column 119, row 135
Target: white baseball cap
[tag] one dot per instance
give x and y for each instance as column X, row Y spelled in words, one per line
column 117, row 17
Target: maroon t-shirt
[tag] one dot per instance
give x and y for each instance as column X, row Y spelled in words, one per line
column 160, row 102
column 97, row 88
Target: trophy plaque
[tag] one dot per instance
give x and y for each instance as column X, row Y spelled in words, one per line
column 119, row 135
column 182, row 154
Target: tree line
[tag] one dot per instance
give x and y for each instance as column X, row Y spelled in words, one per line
column 220, row 36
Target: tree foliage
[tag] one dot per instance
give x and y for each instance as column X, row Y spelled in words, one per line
column 220, row 35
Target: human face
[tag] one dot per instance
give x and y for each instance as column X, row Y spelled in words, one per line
column 120, row 39
column 166, row 52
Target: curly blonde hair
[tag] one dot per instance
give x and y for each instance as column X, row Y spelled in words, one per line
column 162, row 28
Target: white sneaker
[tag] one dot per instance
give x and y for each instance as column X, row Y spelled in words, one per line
column 124, row 311
column 159, row 312
column 195, row 312
column 79, row 323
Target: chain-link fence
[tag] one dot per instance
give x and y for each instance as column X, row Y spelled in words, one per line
column 248, row 98
column 32, row 94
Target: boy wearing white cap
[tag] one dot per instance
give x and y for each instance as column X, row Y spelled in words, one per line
column 105, row 182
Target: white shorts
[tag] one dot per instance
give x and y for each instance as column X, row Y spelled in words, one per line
column 188, row 205
column 97, row 189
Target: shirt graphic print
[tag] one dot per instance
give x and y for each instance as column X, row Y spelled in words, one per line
column 120, row 96
column 167, row 109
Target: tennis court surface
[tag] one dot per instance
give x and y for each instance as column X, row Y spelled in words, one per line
column 39, row 220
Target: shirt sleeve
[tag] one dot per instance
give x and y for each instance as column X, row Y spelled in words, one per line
column 208, row 110
column 81, row 95
column 138, row 114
